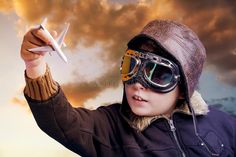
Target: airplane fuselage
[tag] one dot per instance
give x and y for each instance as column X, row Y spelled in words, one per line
column 54, row 44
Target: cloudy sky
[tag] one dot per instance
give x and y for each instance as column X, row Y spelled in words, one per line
column 99, row 31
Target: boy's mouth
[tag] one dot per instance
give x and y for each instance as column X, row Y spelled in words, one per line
column 138, row 98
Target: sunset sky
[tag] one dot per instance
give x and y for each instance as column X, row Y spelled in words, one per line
column 99, row 31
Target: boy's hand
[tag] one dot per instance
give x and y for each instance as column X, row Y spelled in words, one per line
column 35, row 64
column 33, row 38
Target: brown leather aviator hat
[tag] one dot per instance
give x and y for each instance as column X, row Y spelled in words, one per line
column 182, row 44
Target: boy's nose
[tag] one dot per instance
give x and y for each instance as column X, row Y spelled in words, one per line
column 139, row 86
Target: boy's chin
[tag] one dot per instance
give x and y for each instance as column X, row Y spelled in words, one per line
column 141, row 112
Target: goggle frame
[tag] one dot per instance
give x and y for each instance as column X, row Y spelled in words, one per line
column 142, row 59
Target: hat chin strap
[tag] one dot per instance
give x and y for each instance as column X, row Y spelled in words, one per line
column 196, row 130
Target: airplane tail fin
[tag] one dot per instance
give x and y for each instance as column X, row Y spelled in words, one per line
column 44, row 21
column 62, row 36
column 43, row 24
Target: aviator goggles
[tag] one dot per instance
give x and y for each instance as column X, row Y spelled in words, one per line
column 158, row 73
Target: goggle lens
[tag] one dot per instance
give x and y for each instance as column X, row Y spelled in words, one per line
column 158, row 74
column 128, row 65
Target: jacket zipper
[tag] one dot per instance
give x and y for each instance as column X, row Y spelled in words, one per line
column 173, row 129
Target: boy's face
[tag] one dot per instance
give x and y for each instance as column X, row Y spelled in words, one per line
column 145, row 102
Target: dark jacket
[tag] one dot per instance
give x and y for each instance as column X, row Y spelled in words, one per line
column 108, row 132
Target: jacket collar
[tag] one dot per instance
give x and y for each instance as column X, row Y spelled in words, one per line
column 141, row 122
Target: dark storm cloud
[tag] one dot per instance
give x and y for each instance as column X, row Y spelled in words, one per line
column 215, row 23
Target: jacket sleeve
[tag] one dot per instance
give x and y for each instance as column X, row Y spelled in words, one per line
column 83, row 131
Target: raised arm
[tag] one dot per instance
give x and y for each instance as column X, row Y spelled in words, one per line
column 82, row 131
column 34, row 62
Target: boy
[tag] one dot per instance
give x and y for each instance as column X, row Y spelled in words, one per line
column 161, row 113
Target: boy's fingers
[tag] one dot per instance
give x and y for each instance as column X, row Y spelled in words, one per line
column 26, row 54
column 28, row 45
column 38, row 37
column 34, row 40
column 39, row 33
column 30, row 37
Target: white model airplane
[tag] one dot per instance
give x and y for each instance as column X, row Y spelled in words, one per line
column 55, row 44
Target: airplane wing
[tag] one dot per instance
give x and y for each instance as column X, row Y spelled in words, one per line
column 42, row 49
column 62, row 36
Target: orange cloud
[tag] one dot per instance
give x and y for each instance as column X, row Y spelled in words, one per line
column 21, row 102
column 6, row 6
column 18, row 101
